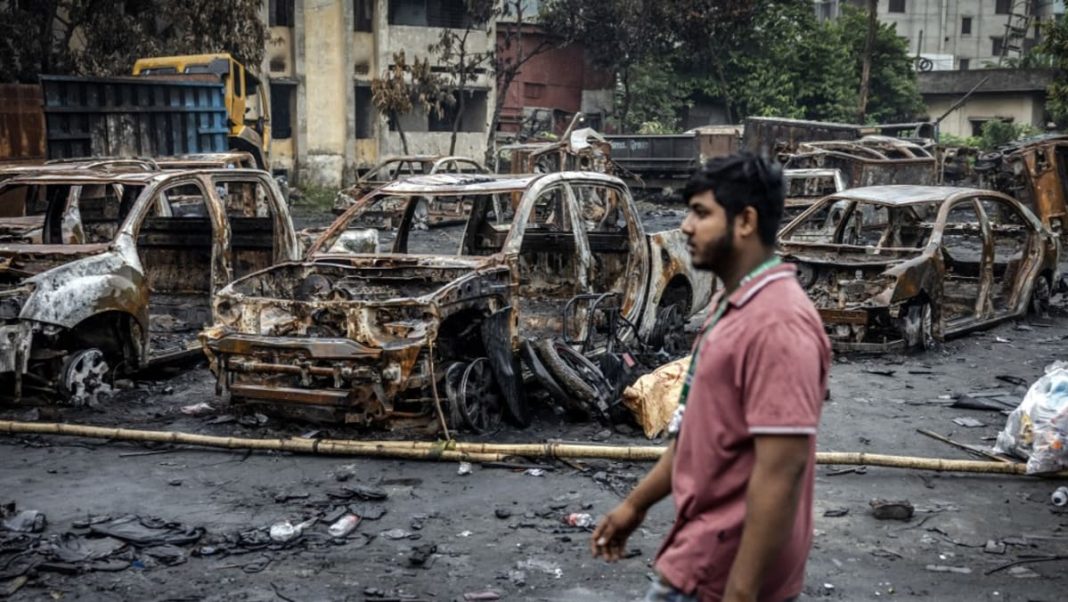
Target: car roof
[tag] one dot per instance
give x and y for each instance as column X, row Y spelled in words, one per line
column 907, row 194
column 446, row 183
column 140, row 177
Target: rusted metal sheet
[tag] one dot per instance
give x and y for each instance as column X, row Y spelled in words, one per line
column 104, row 272
column 433, row 333
column 893, row 267
column 1035, row 171
column 22, row 124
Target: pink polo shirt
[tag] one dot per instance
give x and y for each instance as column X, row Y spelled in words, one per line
column 762, row 370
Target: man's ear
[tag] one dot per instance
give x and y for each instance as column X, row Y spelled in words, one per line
column 746, row 222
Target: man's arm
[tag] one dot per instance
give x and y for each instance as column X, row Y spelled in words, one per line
column 610, row 537
column 771, row 507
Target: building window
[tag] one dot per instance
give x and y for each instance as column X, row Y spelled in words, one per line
column 429, row 13
column 280, row 13
column 473, row 119
column 365, row 112
column 532, row 90
column 364, row 13
column 966, row 26
column 996, row 45
column 896, row 6
column 282, row 103
column 1002, row 7
column 964, row 64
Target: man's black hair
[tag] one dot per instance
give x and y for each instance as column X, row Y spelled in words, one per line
column 740, row 181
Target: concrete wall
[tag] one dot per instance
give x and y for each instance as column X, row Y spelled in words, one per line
column 1022, row 107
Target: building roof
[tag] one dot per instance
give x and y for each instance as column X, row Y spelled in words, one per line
column 998, row 80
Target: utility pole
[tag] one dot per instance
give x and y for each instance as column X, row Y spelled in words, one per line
column 865, row 66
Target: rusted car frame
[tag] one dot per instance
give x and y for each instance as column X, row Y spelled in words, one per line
column 806, row 186
column 893, row 267
column 396, row 168
column 870, row 161
column 105, row 165
column 1035, row 171
column 383, row 337
column 228, row 159
column 121, row 268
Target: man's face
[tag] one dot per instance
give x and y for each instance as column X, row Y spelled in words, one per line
column 709, row 234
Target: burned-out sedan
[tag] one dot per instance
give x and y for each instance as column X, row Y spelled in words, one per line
column 431, row 325
column 909, row 266
column 103, row 273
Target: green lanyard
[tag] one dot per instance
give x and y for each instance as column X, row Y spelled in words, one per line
column 721, row 308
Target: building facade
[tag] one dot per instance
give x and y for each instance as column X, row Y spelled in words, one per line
column 320, row 60
column 960, row 34
column 1011, row 95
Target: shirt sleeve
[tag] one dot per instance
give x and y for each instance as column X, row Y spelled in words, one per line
column 784, row 381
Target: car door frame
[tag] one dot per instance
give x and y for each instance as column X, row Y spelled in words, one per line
column 982, row 312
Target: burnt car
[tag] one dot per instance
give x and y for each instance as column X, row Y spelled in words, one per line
column 806, row 186
column 101, row 164
column 229, row 159
column 434, row 321
column 893, row 267
column 870, row 161
column 1035, row 171
column 397, row 168
column 105, row 273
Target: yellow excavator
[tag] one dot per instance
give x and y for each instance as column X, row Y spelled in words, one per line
column 249, row 117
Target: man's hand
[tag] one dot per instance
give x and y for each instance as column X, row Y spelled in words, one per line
column 610, row 537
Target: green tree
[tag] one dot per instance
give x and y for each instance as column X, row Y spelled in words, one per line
column 894, row 95
column 1054, row 45
column 403, row 87
column 996, row 133
column 104, row 37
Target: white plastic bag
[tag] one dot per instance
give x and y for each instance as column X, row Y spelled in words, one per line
column 1037, row 430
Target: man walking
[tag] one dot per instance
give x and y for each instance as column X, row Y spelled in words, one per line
column 741, row 461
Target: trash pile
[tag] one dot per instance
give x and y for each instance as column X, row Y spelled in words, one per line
column 1037, row 430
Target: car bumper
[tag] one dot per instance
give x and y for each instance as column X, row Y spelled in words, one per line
column 854, row 330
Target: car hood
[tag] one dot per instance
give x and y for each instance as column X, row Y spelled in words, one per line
column 19, row 263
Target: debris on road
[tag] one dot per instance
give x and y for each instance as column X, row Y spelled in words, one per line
column 285, row 532
column 1036, row 430
column 198, row 409
column 22, row 521
column 464, row 469
column 892, row 510
column 968, row 422
column 344, row 525
column 576, row 519
column 1059, row 497
column 653, row 397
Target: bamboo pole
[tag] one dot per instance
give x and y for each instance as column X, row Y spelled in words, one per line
column 452, row 451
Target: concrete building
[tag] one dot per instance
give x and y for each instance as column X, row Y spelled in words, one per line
column 552, row 86
column 320, row 59
column 959, row 34
column 1013, row 95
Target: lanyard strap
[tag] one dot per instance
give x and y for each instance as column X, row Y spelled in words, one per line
column 721, row 308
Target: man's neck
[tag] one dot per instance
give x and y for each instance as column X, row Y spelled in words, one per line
column 746, row 263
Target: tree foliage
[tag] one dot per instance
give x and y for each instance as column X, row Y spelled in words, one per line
column 1054, row 45
column 104, row 37
column 755, row 57
column 894, row 95
column 404, row 87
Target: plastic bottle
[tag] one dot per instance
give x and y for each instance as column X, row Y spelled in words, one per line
column 286, row 531
column 1060, row 497
column 344, row 525
column 576, row 519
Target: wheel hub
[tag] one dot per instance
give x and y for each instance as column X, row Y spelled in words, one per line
column 82, row 379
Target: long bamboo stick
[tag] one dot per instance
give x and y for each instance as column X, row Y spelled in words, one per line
column 479, row 452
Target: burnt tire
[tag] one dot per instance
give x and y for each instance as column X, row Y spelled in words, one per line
column 547, row 381
column 577, row 375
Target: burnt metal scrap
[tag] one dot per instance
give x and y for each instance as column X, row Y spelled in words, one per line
column 1035, row 171
column 909, row 266
column 102, row 273
column 870, row 161
column 429, row 327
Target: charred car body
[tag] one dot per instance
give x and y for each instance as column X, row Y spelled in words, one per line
column 105, row 272
column 908, row 266
column 397, row 168
column 1035, row 171
column 436, row 318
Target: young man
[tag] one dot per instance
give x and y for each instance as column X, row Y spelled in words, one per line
column 741, row 462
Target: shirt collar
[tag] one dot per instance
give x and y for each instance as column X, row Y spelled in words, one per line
column 747, row 291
